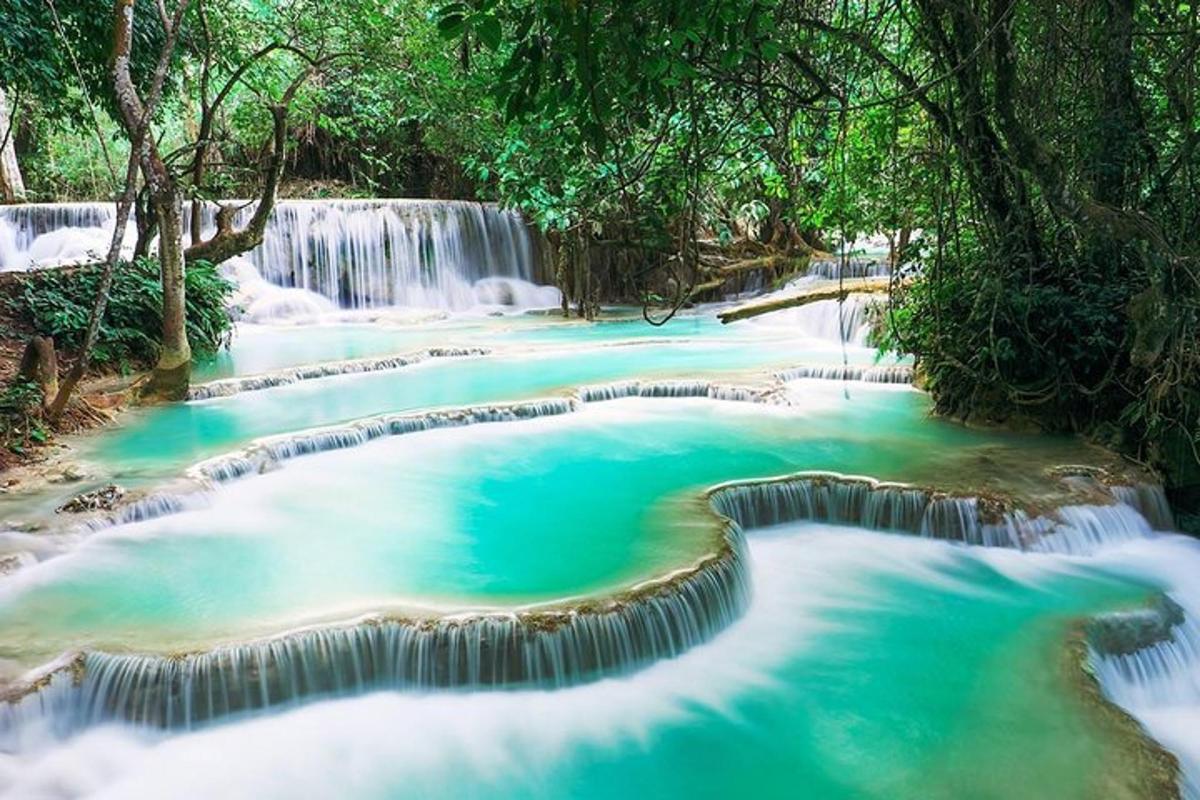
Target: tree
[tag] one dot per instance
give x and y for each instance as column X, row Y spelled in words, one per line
column 12, row 187
column 164, row 185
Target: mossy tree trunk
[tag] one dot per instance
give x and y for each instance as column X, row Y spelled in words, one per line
column 173, row 371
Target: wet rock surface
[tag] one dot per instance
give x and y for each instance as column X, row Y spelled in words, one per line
column 106, row 498
column 1125, row 632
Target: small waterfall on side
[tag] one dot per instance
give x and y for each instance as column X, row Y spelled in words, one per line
column 846, row 320
column 888, row 373
column 354, row 253
column 1148, row 663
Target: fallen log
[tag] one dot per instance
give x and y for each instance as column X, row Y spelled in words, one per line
column 834, row 291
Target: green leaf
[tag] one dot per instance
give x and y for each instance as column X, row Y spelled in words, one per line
column 451, row 26
column 488, row 30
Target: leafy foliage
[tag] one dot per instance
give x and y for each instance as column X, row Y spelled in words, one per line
column 20, row 417
column 57, row 303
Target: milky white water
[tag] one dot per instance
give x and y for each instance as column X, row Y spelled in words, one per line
column 867, row 666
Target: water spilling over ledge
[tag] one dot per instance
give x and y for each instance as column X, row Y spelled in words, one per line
column 1147, row 662
column 356, row 253
column 558, row 644
column 231, row 386
column 988, row 522
column 893, row 373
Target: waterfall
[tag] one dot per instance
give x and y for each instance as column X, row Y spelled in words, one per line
column 892, row 373
column 833, row 268
column 50, row 234
column 251, row 383
column 549, row 647
column 355, row 253
column 850, row 500
column 822, row 497
column 363, row 253
column 675, row 389
column 846, row 320
column 1148, row 660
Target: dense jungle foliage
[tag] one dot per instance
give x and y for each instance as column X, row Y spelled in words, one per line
column 1034, row 162
column 56, row 303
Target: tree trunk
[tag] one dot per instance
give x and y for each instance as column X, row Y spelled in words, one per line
column 12, row 186
column 173, row 370
column 39, row 364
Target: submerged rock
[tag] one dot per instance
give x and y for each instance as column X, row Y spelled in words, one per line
column 1125, row 632
column 105, row 498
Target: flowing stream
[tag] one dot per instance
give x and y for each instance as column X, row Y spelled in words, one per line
column 481, row 553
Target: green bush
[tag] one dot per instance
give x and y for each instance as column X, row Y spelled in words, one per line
column 57, row 303
column 20, row 416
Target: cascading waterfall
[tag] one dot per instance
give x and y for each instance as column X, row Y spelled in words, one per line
column 266, row 454
column 833, row 269
column 355, row 253
column 363, row 253
column 891, row 373
column 848, row 500
column 549, row 647
column 567, row 644
column 847, row 320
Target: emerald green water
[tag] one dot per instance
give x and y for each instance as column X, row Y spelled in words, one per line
column 256, row 349
column 868, row 666
column 932, row 676
column 499, row 514
column 161, row 441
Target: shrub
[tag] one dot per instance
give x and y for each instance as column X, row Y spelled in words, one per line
column 20, row 416
column 57, row 303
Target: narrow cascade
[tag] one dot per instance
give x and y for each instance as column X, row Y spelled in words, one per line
column 1151, row 502
column 1086, row 528
column 354, row 253
column 252, row 383
column 551, row 648
column 847, row 320
column 892, row 373
column 827, row 497
column 1153, row 671
column 833, row 269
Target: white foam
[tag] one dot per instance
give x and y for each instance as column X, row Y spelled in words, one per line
column 354, row 747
